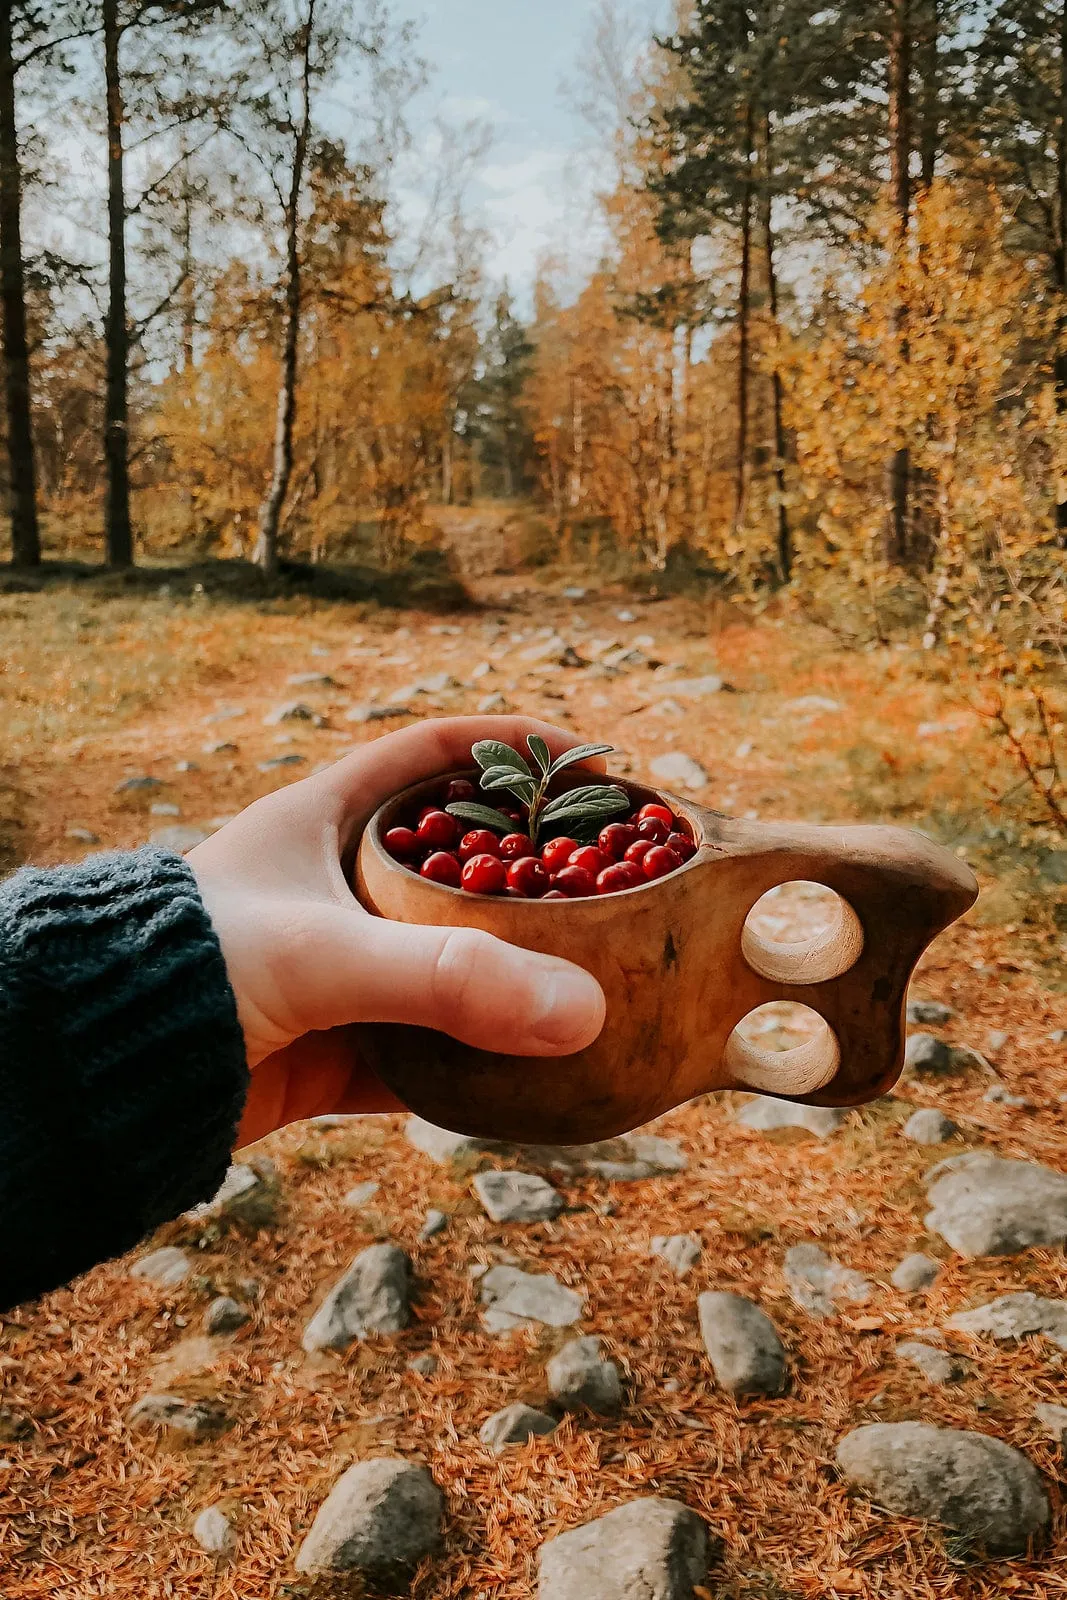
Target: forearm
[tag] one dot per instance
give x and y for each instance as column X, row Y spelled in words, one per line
column 122, row 1062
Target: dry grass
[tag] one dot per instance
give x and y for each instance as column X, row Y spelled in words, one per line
column 88, row 1508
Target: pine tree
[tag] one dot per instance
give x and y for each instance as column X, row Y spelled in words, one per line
column 497, row 422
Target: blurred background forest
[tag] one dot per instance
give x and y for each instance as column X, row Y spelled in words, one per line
column 822, row 342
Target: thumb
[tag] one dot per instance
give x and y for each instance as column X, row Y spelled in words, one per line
column 487, row 993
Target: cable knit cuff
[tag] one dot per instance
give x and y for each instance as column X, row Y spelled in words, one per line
column 122, row 1063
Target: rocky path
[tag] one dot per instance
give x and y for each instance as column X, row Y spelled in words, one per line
column 750, row 1352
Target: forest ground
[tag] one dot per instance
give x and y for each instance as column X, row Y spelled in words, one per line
column 100, row 687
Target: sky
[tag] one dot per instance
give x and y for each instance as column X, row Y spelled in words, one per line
column 506, row 62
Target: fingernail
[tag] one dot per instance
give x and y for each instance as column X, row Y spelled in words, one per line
column 568, row 1005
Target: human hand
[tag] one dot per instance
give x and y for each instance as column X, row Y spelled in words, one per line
column 306, row 961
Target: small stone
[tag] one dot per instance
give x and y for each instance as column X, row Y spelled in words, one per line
column 224, row 1315
column 492, row 705
column 742, row 1343
column 434, row 1222
column 915, row 1272
column 82, row 836
column 290, row 711
column 642, row 1155
column 276, row 762
column 812, row 705
column 929, row 1126
column 979, row 1486
column 817, row 1283
column 767, row 1115
column 650, row 1549
column 1016, row 1316
column 688, row 688
column 1000, row 1095
column 925, row 1053
column 168, row 1267
column 375, row 713
column 311, row 680
column 221, row 747
column 677, row 768
column 141, row 785
column 179, row 839
column 373, row 1297
column 1058, row 1036
column 938, row 1366
column 425, row 1366
column 995, row 1040
column 578, row 1375
column 186, row 766
column 164, row 808
column 226, row 714
column 195, row 1419
column 517, row 1197
column 982, row 1205
column 681, row 1251
column 573, row 592
column 361, row 1194
column 380, row 1516
column 437, row 1143
column 513, row 1298
column 213, row 1533
column 929, row 1013
column 1053, row 1419
column 250, row 1194
column 514, row 1425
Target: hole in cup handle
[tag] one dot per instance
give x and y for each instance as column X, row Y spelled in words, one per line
column 823, row 956
column 789, row 1074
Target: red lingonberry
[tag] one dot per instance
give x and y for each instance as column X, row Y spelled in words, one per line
column 527, row 877
column 654, row 829
column 659, row 862
column 660, row 813
column 478, row 843
column 682, row 846
column 557, row 853
column 619, row 876
column 485, row 875
column 515, row 846
column 575, row 882
column 402, row 844
column 442, row 868
column 617, row 838
column 555, row 894
column 517, row 817
column 592, row 859
column 437, row 831
column 460, row 792
column 638, row 851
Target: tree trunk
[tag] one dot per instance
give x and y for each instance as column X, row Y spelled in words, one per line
column 22, row 484
column 1060, row 259
column 270, row 515
column 900, row 137
column 784, row 534
column 930, row 135
column 118, row 530
column 744, row 324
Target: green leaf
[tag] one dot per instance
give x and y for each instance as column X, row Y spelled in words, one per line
column 502, row 779
column 604, row 798
column 540, row 752
column 492, row 753
column 591, row 809
column 584, row 752
column 484, row 816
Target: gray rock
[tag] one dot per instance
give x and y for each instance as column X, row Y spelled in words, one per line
column 819, row 1284
column 985, row 1206
column 213, row 1533
column 180, row 839
column 513, row 1298
column 1015, row 1316
column 1053, row 1419
column 82, row 836
column 250, row 1194
column 194, row 1419
column 425, row 1365
column 929, row 1126
column 437, row 1143
column 645, row 1155
column 187, row 766
column 767, row 1115
column 434, row 1222
column 164, row 808
column 380, row 1516
column 578, row 1375
column 168, row 1267
column 743, row 1346
column 311, row 680
column 372, row 1297
column 681, row 1251
column 925, row 1053
column 651, row 1549
column 995, row 1040
column 371, row 713
column 359, row 1196
column 517, row 1197
column 976, row 1485
column 812, row 705
column 688, row 688
column 1000, row 1095
column 514, row 1425
column 937, row 1366
column 224, row 1315
column 141, row 785
column 915, row 1272
column 220, row 747
column 290, row 711
column 929, row 1013
column 677, row 768
column 276, row 762
column 494, row 705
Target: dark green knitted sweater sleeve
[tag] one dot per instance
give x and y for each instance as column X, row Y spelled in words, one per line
column 122, row 1064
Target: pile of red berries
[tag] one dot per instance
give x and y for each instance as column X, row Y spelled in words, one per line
column 649, row 845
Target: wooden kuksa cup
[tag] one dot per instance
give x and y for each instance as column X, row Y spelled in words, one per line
column 680, row 969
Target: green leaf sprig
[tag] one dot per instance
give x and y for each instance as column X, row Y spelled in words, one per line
column 580, row 812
